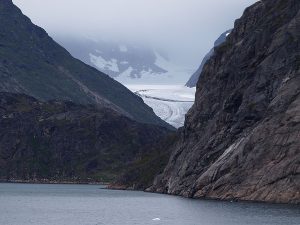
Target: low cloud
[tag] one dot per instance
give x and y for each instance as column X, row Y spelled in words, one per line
column 184, row 27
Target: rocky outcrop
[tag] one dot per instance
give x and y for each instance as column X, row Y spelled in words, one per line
column 241, row 139
column 32, row 63
column 60, row 141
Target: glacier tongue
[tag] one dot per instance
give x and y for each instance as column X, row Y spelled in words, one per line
column 169, row 102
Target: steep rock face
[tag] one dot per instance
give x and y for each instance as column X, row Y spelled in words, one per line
column 33, row 64
column 241, row 138
column 63, row 141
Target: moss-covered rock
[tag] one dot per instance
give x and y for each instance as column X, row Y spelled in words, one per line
column 63, row 141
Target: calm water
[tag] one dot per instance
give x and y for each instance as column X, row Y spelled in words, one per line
column 24, row 204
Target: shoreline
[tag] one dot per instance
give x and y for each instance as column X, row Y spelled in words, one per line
column 109, row 186
column 230, row 200
column 45, row 181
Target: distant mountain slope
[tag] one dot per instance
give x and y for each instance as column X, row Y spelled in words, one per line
column 63, row 141
column 32, row 63
column 195, row 77
column 114, row 58
column 128, row 63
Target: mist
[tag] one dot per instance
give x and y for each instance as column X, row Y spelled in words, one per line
column 184, row 29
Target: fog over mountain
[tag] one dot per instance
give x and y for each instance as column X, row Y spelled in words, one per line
column 185, row 30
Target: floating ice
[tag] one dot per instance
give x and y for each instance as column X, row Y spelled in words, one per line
column 156, row 219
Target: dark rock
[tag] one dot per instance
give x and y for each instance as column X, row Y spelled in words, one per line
column 140, row 174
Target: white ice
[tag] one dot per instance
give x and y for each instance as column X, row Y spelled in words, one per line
column 169, row 102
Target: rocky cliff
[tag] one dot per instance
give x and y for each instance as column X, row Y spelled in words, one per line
column 33, row 64
column 241, row 139
column 62, row 141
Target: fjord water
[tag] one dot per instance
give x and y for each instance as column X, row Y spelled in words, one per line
column 42, row 204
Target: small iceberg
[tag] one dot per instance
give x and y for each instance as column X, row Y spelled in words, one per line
column 156, row 219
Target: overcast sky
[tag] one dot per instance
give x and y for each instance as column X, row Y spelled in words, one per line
column 183, row 27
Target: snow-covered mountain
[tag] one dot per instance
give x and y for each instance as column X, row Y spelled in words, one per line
column 127, row 63
column 192, row 82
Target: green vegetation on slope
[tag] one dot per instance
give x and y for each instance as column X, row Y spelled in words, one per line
column 140, row 174
column 63, row 141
